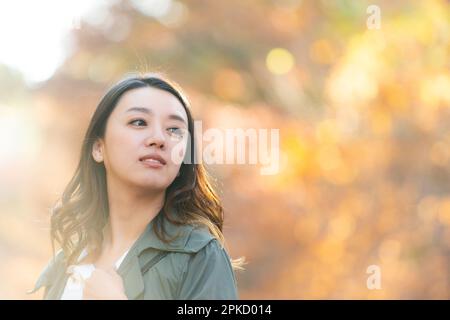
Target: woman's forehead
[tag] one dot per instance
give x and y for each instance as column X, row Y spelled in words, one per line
column 149, row 100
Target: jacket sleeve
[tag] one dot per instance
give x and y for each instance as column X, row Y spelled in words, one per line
column 209, row 275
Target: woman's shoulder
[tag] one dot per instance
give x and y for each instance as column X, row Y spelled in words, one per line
column 47, row 274
column 208, row 274
column 208, row 251
column 199, row 238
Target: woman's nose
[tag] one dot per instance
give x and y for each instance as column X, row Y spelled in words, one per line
column 156, row 138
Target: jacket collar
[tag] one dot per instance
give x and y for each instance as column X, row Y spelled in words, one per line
column 180, row 233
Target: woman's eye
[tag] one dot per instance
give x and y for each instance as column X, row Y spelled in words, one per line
column 138, row 120
column 176, row 131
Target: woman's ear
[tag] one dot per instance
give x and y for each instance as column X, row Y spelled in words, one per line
column 97, row 153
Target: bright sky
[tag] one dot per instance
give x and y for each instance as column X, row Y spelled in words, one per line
column 34, row 34
column 35, row 40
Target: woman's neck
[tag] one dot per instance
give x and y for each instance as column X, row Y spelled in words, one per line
column 129, row 214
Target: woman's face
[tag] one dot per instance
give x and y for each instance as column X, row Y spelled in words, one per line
column 145, row 139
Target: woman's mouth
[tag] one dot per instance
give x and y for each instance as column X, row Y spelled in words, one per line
column 153, row 161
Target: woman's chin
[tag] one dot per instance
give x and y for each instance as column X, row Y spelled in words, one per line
column 153, row 185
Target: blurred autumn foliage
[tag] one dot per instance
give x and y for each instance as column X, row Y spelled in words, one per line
column 364, row 119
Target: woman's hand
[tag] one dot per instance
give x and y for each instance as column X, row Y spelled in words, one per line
column 104, row 285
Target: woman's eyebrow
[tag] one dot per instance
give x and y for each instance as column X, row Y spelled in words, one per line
column 149, row 111
column 140, row 109
column 177, row 117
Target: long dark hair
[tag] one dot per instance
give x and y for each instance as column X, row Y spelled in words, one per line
column 81, row 213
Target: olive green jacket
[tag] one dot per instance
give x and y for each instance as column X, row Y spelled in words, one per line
column 194, row 266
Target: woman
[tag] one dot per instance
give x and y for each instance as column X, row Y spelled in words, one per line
column 139, row 219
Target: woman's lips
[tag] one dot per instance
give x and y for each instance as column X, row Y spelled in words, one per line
column 152, row 163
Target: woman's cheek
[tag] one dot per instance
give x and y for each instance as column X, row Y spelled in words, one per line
column 121, row 164
column 177, row 152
